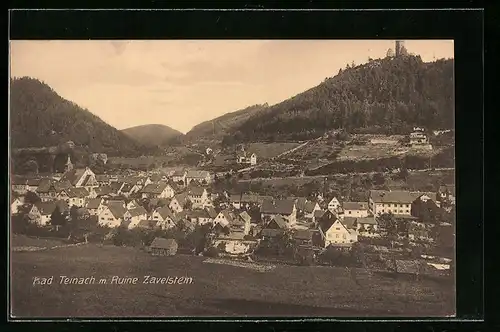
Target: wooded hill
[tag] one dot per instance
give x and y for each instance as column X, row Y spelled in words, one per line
column 388, row 95
column 40, row 117
column 216, row 129
column 152, row 134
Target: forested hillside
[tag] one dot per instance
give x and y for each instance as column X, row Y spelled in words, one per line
column 40, row 117
column 217, row 128
column 383, row 96
column 152, row 134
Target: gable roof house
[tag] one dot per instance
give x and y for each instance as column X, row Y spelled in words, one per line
column 179, row 176
column 47, row 208
column 355, row 209
column 334, row 204
column 158, row 190
column 334, row 232
column 132, row 204
column 309, row 209
column 81, row 178
column 112, row 215
column 245, row 201
column 134, row 216
column 178, row 202
column 49, row 188
column 395, row 201
column 199, row 217
column 285, row 208
column 74, row 196
column 95, row 206
column 129, row 189
column 201, row 177
column 366, row 226
column 164, row 217
column 16, row 204
column 163, row 247
column 303, row 236
column 224, row 218
column 31, row 212
column 212, row 213
column 102, row 179
column 198, row 196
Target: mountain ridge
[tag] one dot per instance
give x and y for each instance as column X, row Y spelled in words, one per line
column 152, row 134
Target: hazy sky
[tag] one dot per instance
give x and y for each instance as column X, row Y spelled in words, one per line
column 182, row 83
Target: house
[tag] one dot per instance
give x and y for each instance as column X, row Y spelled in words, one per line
column 303, row 237
column 200, row 177
column 19, row 185
column 116, row 187
column 336, row 232
column 132, row 205
column 74, row 196
column 234, row 243
column 395, row 201
column 163, row 247
column 32, row 212
column 418, row 231
column 277, row 222
column 300, row 203
column 48, row 189
column 310, row 208
column 211, row 213
column 334, row 204
column 134, row 216
column 178, row 202
column 317, row 215
column 365, row 226
column 418, row 137
column 129, row 189
column 81, row 178
column 103, row 180
column 198, row 196
column 16, row 204
column 116, row 202
column 112, row 215
column 246, row 201
column 104, row 191
column 355, row 209
column 179, row 176
column 447, row 193
column 243, row 157
column 158, row 190
column 147, row 224
column 199, row 217
column 164, row 217
column 95, row 206
column 240, row 223
column 285, row 208
column 47, row 208
column 224, row 218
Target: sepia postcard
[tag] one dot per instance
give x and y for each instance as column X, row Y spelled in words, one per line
column 232, row 178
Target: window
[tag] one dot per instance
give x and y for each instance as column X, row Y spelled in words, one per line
column 110, row 218
column 407, row 211
column 344, row 236
column 400, row 211
column 337, row 228
column 337, row 236
column 349, row 212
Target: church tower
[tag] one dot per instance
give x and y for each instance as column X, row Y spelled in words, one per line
column 69, row 166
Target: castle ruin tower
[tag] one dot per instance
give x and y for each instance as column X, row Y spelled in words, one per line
column 400, row 48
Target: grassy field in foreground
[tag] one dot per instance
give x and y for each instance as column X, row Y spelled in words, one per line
column 217, row 290
column 29, row 241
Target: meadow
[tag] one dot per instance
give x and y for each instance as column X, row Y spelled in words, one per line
column 216, row 290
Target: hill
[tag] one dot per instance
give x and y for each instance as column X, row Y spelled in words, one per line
column 152, row 134
column 383, row 96
column 40, row 117
column 216, row 129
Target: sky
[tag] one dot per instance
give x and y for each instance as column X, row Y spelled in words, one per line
column 180, row 83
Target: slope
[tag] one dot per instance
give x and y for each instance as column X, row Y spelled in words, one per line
column 152, row 134
column 383, row 96
column 40, row 117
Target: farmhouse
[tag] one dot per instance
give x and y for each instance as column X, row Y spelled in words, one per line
column 32, row 212
column 178, row 202
column 199, row 217
column 200, row 177
column 74, row 196
column 81, row 178
column 16, row 204
column 333, row 231
column 224, row 218
column 158, row 190
column 303, row 237
column 285, row 208
column 112, row 215
column 164, row 217
column 245, row 201
column 243, row 157
column 95, row 206
column 355, row 209
column 134, row 216
column 396, row 201
column 48, row 189
column 198, row 196
column 334, row 204
column 47, row 208
column 366, row 226
column 163, row 247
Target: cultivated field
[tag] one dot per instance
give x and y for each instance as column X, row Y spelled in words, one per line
column 216, row 290
column 270, row 150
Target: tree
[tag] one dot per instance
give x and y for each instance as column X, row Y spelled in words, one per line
column 378, row 179
column 57, row 218
column 389, row 223
column 31, row 198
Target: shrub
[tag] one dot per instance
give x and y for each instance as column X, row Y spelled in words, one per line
column 212, row 252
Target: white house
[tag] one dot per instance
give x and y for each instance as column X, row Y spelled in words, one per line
column 199, row 197
column 81, row 178
column 310, row 208
column 46, row 209
column 224, row 218
column 355, row 209
column 158, row 190
column 16, row 204
column 242, row 157
column 164, row 217
column 365, row 226
column 112, row 215
column 395, row 201
column 334, row 204
column 95, row 206
column 285, row 207
column 199, row 217
column 74, row 196
column 179, row 176
column 134, row 216
column 336, row 232
column 178, row 202
column 132, row 205
column 200, row 177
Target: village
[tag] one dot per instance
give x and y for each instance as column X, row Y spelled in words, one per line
column 182, row 211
